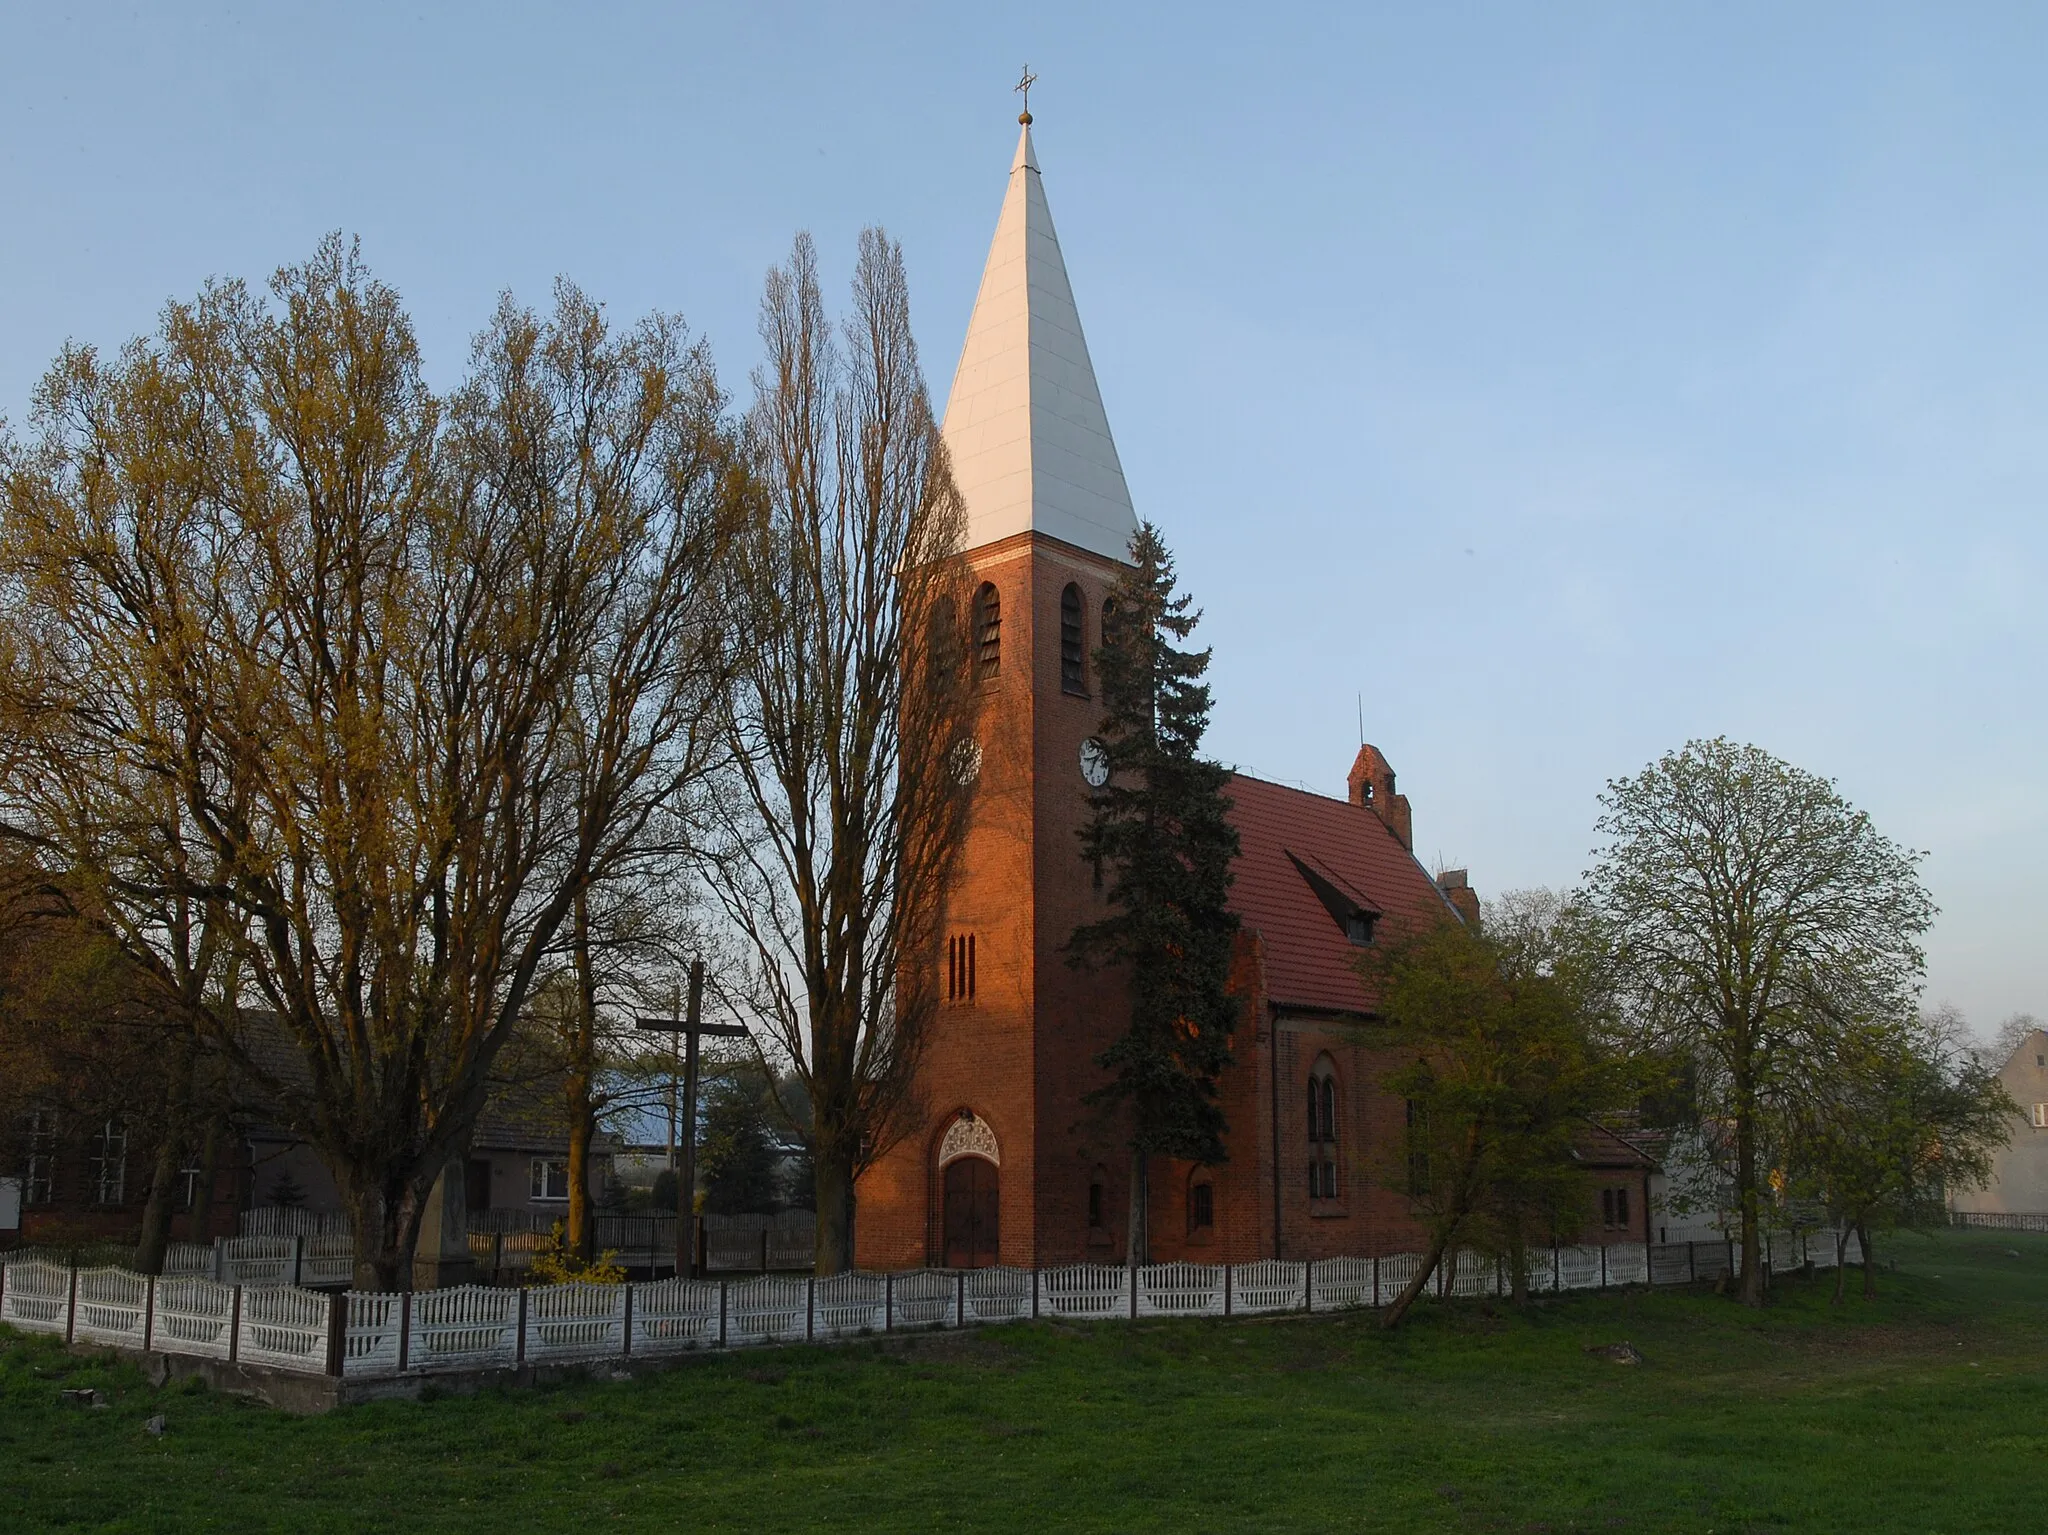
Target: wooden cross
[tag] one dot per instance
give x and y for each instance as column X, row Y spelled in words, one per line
column 693, row 1028
column 1023, row 88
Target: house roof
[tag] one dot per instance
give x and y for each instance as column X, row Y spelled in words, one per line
column 1029, row 438
column 520, row 1114
column 1292, row 841
column 1598, row 1145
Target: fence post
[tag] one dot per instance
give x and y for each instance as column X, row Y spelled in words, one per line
column 71, row 1305
column 1226, row 1289
column 235, row 1327
column 337, row 1334
column 1375, row 1282
column 1692, row 1263
column 810, row 1308
column 405, row 1327
column 519, row 1347
column 1134, row 1292
column 497, row 1254
column 1034, row 1294
column 764, row 1249
column 149, row 1313
column 1603, row 1265
column 1308, row 1284
column 220, row 1260
column 626, row 1330
column 888, row 1303
column 959, row 1298
column 298, row 1258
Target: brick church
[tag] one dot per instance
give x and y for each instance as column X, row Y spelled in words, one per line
column 1009, row 1164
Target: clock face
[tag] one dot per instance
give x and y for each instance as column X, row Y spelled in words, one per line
column 1094, row 762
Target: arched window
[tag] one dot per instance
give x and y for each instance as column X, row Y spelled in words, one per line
column 1201, row 1207
column 988, row 632
column 1073, row 642
column 1322, row 1129
column 942, row 640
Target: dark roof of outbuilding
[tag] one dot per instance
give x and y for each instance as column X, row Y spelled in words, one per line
column 1290, row 841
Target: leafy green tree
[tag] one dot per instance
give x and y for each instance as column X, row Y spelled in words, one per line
column 1159, row 827
column 1897, row 1117
column 1749, row 915
column 1506, row 1068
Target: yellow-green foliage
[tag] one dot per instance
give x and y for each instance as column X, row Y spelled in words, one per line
column 554, row 1263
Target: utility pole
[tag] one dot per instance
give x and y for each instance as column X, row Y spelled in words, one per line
column 692, row 1027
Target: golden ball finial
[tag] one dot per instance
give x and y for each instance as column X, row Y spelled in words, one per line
column 1024, row 118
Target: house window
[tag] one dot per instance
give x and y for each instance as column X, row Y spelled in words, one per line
column 550, row 1178
column 2041, row 1116
column 1073, row 652
column 960, row 968
column 1358, row 927
column 110, row 1164
column 190, row 1181
column 41, row 1183
column 1614, row 1207
column 988, row 632
column 1202, row 1207
column 1095, row 1205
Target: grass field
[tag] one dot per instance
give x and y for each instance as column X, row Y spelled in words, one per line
column 1924, row 1410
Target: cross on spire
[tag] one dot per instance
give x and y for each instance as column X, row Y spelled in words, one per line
column 1023, row 88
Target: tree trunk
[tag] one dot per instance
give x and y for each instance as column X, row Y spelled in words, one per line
column 1752, row 1290
column 1869, row 1263
column 386, row 1232
column 1138, row 1225
column 834, row 1187
column 1430, row 1259
column 1841, row 1263
column 170, row 1158
column 579, row 1086
column 581, row 1236
column 1518, row 1269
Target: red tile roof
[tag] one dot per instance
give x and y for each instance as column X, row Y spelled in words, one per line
column 1309, row 961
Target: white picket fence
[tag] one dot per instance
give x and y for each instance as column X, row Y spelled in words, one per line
column 467, row 1327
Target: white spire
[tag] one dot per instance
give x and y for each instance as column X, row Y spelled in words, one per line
column 1030, row 441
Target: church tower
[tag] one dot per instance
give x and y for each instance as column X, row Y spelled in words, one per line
column 1005, row 1162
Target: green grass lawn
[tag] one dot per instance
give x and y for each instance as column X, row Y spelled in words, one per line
column 1926, row 1409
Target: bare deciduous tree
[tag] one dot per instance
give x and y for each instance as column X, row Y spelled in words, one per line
column 334, row 699
column 847, row 805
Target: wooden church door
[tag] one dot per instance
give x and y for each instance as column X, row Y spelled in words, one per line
column 970, row 1213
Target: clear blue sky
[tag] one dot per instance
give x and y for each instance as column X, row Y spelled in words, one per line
column 1567, row 380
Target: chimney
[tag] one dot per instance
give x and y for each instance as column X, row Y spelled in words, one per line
column 1372, row 785
column 1458, row 891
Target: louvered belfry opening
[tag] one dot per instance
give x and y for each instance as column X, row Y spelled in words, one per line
column 1073, row 652
column 988, row 632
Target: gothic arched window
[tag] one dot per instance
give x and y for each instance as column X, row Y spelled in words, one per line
column 1322, row 1129
column 1073, row 642
column 988, row 632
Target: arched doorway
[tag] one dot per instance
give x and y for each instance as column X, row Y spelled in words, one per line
column 969, row 1193
column 971, row 1212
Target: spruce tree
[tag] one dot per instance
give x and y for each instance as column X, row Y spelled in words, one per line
column 1159, row 835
